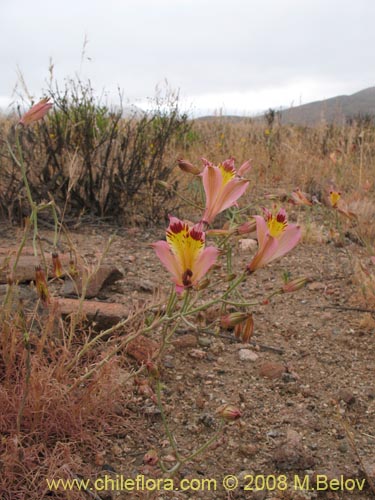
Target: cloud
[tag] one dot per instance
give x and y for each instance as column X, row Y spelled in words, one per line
column 204, row 47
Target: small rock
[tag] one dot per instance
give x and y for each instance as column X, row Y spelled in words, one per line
column 248, row 450
column 343, row 447
column 204, row 341
column 272, row 370
column 146, row 286
column 142, row 349
column 247, row 355
column 347, row 396
column 248, row 244
column 187, row 340
column 197, row 354
column 291, row 454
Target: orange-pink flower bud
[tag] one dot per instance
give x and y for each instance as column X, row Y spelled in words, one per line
column 232, row 319
column 188, row 167
column 247, row 227
column 57, row 266
column 41, row 285
column 229, row 412
column 294, row 285
column 247, row 329
column 153, row 370
column 218, row 232
column 151, row 457
column 202, row 284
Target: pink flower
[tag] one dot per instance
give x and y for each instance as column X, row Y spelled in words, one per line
column 36, row 112
column 223, row 186
column 184, row 253
column 275, row 238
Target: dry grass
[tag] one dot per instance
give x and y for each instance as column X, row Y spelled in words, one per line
column 57, row 395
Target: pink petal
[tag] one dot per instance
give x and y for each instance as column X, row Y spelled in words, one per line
column 287, row 241
column 205, row 261
column 230, row 194
column 168, row 259
column 262, row 229
column 212, row 183
column 264, row 254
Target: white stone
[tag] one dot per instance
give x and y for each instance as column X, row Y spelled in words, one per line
column 247, row 355
column 248, row 244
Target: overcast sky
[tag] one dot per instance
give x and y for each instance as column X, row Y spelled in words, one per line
column 240, row 56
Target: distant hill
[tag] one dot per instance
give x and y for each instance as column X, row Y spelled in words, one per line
column 336, row 109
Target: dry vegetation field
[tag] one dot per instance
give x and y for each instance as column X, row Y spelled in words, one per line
column 107, row 374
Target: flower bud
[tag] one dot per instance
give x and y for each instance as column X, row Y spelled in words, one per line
column 247, row 227
column 244, row 168
column 218, row 232
column 232, row 319
column 151, row 457
column 56, row 265
column 153, row 370
column 41, row 285
column 229, row 412
column 188, row 167
column 202, row 284
column 294, row 285
column 247, row 329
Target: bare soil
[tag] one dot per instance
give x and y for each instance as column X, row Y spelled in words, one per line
column 308, row 405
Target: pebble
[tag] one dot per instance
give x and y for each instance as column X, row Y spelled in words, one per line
column 272, row 370
column 247, row 355
column 204, row 341
column 292, row 454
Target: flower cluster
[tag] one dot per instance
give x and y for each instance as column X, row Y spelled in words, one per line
column 184, row 253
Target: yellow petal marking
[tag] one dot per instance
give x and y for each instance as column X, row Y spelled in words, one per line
column 186, row 244
column 227, row 173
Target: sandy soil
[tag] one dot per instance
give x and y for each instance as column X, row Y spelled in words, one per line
column 308, row 406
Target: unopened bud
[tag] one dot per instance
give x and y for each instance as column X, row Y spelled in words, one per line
column 229, row 412
column 202, row 284
column 246, row 227
column 218, row 232
column 231, row 277
column 294, row 285
column 151, row 457
column 232, row 319
column 237, row 331
column 188, row 167
column 244, row 168
column 56, row 265
column 153, row 370
column 247, row 329
column 41, row 285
